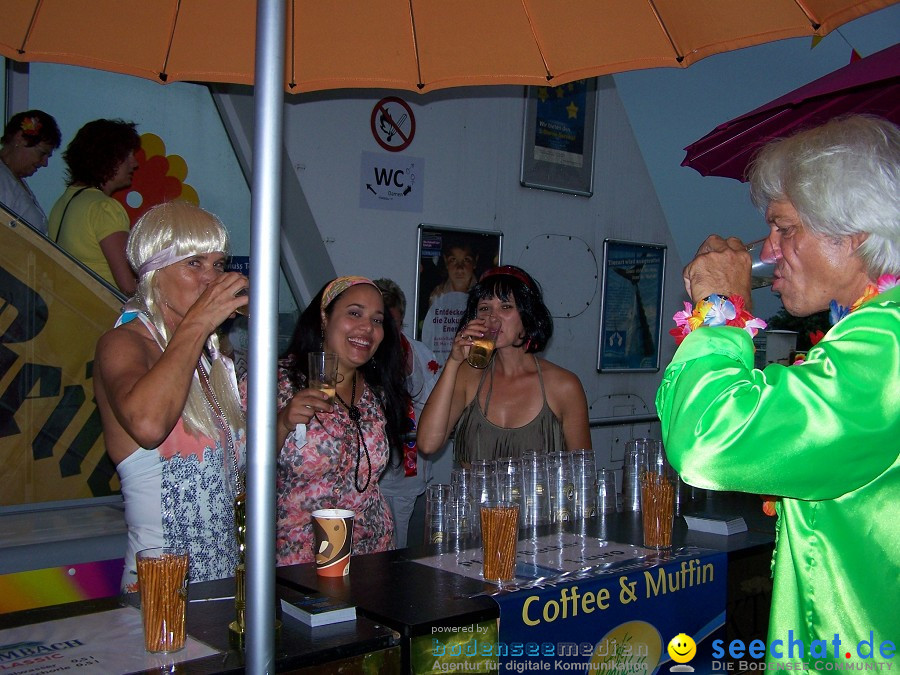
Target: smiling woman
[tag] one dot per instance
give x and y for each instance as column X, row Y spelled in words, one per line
column 332, row 456
column 167, row 396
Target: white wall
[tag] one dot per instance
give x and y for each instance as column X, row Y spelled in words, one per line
column 471, row 142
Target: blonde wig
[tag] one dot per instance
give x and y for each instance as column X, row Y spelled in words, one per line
column 166, row 234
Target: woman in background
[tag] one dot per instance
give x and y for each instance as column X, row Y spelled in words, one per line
column 86, row 221
column 28, row 142
column 332, row 456
column 519, row 402
column 168, row 398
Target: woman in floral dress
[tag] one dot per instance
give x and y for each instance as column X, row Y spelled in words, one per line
column 332, row 456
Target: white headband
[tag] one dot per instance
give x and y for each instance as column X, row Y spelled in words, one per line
column 162, row 259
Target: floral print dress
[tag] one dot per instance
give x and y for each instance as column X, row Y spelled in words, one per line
column 320, row 475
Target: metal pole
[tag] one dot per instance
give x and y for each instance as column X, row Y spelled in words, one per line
column 265, row 254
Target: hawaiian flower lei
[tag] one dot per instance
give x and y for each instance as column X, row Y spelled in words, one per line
column 715, row 310
column 884, row 282
column 31, row 126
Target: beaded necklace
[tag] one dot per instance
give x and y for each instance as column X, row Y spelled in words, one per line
column 213, row 402
column 355, row 415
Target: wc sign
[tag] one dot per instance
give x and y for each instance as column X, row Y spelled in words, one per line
column 391, row 182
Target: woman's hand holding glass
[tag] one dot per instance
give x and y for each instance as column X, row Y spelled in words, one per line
column 462, row 343
column 303, row 407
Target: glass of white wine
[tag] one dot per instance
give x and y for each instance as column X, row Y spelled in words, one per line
column 323, row 373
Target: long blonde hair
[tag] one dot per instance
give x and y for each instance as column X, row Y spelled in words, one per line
column 186, row 229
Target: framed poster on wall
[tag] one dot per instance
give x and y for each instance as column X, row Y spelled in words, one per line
column 450, row 262
column 558, row 137
column 630, row 306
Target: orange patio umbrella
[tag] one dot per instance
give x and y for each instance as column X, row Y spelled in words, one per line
column 417, row 45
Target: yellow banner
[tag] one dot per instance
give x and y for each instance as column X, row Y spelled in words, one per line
column 51, row 313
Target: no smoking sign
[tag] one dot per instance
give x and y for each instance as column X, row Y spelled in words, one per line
column 393, row 124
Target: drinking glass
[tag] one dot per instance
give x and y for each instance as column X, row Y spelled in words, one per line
column 606, row 491
column 535, row 491
column 562, row 487
column 635, row 466
column 584, row 480
column 323, row 368
column 483, row 347
column 762, row 266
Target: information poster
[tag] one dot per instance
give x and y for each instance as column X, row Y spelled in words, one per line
column 632, row 297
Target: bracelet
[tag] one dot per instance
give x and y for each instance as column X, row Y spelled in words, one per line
column 715, row 310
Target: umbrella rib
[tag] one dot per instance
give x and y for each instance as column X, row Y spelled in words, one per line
column 293, row 82
column 163, row 75
column 537, row 42
column 412, row 21
column 37, row 8
column 809, row 14
column 678, row 55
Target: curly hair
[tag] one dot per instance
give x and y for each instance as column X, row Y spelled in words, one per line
column 36, row 127
column 383, row 372
column 98, row 149
column 510, row 281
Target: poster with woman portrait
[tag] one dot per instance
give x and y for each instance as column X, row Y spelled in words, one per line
column 450, row 262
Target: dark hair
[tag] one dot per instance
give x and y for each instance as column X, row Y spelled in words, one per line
column 383, row 372
column 506, row 281
column 98, row 149
column 36, row 127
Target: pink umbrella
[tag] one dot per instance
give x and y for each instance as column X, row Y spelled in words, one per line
column 869, row 85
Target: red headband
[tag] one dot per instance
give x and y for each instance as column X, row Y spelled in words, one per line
column 510, row 271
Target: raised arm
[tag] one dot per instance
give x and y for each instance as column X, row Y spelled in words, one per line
column 454, row 390
column 141, row 393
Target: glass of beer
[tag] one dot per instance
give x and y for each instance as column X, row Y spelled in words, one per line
column 483, row 347
column 243, row 310
column 323, row 368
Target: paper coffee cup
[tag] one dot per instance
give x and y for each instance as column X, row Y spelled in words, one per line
column 333, row 530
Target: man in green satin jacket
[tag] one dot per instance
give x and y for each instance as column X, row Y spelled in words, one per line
column 822, row 435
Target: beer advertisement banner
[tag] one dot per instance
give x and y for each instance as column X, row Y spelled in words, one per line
column 51, row 313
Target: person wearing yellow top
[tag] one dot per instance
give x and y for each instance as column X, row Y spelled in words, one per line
column 86, row 221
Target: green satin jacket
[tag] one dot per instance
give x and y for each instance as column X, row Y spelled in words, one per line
column 825, row 436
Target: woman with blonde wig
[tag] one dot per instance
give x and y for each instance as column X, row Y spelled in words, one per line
column 168, row 397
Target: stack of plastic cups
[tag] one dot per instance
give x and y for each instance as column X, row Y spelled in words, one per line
column 484, row 482
column 635, row 466
column 437, row 500
column 536, row 491
column 460, row 522
column 562, row 487
column 606, row 492
column 461, row 484
column 584, row 478
column 509, row 483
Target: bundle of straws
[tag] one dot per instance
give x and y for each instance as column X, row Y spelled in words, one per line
column 499, row 530
column 657, row 504
column 163, row 599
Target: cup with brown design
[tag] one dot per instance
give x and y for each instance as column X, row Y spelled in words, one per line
column 333, row 531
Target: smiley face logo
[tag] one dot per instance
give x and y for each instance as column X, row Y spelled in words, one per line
column 682, row 648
